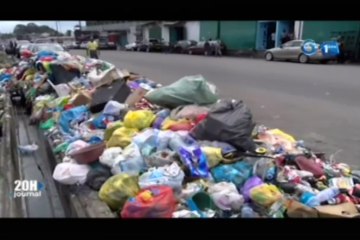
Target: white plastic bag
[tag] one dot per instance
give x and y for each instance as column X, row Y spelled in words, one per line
column 130, row 161
column 113, row 108
column 71, row 173
column 149, row 136
column 109, row 155
column 226, row 196
column 170, row 175
column 164, row 139
column 75, row 146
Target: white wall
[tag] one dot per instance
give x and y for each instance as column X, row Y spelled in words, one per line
column 192, row 29
column 165, row 33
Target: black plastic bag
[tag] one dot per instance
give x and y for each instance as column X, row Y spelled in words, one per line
column 228, row 121
column 97, row 176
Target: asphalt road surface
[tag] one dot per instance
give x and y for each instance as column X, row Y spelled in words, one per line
column 314, row 102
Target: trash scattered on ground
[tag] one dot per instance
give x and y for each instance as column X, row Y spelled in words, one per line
column 173, row 151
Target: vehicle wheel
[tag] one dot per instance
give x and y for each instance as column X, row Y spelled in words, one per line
column 269, row 56
column 303, row 58
column 190, row 52
column 324, row 61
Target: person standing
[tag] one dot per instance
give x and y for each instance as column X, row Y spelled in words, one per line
column 207, row 47
column 273, row 35
column 341, row 56
column 93, row 49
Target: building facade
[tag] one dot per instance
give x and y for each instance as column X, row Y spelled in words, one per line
column 237, row 35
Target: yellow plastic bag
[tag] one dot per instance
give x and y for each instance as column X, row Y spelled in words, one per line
column 213, row 155
column 118, row 189
column 121, row 137
column 168, row 123
column 279, row 133
column 110, row 129
column 139, row 119
column 265, row 194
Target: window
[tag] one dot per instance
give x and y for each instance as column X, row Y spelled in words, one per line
column 296, row 43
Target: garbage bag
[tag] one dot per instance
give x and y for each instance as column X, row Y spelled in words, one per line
column 75, row 146
column 250, row 184
column 229, row 121
column 139, row 119
column 50, row 123
column 73, row 115
column 117, row 189
column 163, row 140
column 225, row 196
column 109, row 155
column 170, row 175
column 152, row 202
column 264, row 168
column 213, row 155
column 195, row 160
column 121, row 137
column 187, row 90
column 265, row 194
column 146, row 137
column 310, row 165
column 130, row 161
column 189, row 112
column 110, row 128
column 97, row 176
column 229, row 173
column 161, row 158
column 101, row 121
column 71, row 173
column 113, row 108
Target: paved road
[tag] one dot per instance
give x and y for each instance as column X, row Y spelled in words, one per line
column 316, row 103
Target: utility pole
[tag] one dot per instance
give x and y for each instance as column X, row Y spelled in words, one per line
column 57, row 28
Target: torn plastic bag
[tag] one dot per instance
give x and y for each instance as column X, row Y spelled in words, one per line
column 117, row 189
column 71, row 173
column 187, row 90
column 226, row 196
column 101, row 121
column 121, row 137
column 152, row 202
column 130, row 161
column 161, row 158
column 139, row 119
column 72, row 116
column 170, row 175
column 114, row 108
column 97, row 176
column 228, row 121
column 109, row 155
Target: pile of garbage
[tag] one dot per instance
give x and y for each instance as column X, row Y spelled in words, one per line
column 175, row 151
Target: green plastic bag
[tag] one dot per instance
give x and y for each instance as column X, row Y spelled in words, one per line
column 61, row 148
column 50, row 123
column 187, row 90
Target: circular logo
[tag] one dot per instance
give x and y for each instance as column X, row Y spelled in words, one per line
column 309, row 47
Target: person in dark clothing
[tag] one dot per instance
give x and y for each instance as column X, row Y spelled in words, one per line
column 285, row 39
column 207, row 47
column 341, row 57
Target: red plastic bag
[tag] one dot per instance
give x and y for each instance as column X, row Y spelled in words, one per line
column 151, row 202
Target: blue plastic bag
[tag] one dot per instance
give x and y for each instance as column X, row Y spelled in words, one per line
column 196, row 161
column 74, row 115
column 236, row 173
column 101, row 121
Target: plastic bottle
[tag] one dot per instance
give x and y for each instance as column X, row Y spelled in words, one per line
column 327, row 194
column 248, row 212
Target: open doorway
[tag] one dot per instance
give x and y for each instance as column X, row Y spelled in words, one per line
column 266, row 34
column 177, row 33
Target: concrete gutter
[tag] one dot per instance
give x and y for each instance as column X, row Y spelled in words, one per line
column 10, row 169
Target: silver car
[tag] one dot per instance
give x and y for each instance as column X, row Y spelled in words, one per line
column 291, row 51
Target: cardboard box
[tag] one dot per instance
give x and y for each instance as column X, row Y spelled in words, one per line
column 344, row 210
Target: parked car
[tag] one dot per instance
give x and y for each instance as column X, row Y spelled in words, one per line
column 154, row 45
column 199, row 48
column 292, row 51
column 83, row 45
column 132, row 46
column 182, row 46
